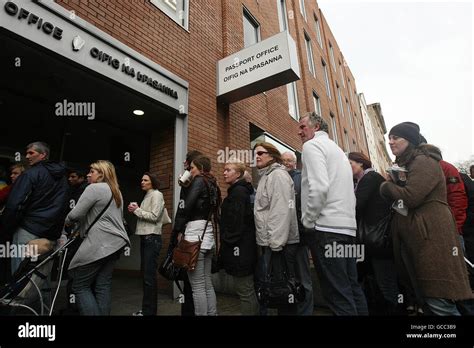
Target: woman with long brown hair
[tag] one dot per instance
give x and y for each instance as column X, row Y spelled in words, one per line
column 100, row 215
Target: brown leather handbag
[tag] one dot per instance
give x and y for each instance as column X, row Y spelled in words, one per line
column 186, row 253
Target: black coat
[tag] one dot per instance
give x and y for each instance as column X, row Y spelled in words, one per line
column 195, row 202
column 38, row 201
column 468, row 228
column 371, row 206
column 238, row 250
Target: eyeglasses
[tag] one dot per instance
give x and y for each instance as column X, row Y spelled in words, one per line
column 261, row 152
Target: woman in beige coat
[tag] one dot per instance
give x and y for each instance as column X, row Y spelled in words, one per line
column 426, row 246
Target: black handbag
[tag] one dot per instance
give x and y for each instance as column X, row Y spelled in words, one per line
column 169, row 270
column 377, row 239
column 275, row 287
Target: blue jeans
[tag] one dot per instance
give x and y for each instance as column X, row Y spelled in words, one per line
column 150, row 246
column 440, row 306
column 20, row 237
column 204, row 296
column 303, row 274
column 92, row 285
column 337, row 275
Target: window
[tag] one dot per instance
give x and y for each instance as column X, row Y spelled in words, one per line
column 317, row 104
column 318, row 31
column 346, row 141
column 283, row 20
column 309, row 54
column 331, row 51
column 326, row 78
column 339, row 97
column 251, row 29
column 356, row 128
column 302, row 9
column 350, row 89
column 334, row 129
column 349, row 112
column 342, row 75
column 293, row 101
column 177, row 10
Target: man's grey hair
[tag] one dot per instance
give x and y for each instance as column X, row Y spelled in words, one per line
column 292, row 154
column 314, row 120
column 40, row 147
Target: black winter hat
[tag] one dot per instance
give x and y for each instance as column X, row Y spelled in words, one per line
column 407, row 130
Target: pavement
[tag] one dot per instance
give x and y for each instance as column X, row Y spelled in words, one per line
column 127, row 297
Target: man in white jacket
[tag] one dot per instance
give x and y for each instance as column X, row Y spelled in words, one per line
column 328, row 211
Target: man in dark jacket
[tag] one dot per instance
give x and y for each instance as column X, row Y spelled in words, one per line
column 37, row 202
column 468, row 228
column 303, row 270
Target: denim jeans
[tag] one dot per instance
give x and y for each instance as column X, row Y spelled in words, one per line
column 303, row 274
column 245, row 289
column 92, row 285
column 20, row 237
column 150, row 246
column 204, row 297
column 337, row 275
column 442, row 307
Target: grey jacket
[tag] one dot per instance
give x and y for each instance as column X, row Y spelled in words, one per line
column 108, row 235
column 276, row 223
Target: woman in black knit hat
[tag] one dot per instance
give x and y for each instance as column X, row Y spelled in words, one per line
column 427, row 251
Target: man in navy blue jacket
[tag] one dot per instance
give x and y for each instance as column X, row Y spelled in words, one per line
column 37, row 204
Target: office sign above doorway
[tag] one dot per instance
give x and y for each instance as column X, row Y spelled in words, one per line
column 258, row 68
column 52, row 27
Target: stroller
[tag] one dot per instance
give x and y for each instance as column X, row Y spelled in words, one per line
column 24, row 290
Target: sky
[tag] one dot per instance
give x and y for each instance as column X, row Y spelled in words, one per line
column 415, row 59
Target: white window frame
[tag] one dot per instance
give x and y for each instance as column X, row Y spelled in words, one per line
column 350, row 89
column 303, row 9
column 326, row 78
column 346, row 142
column 309, row 54
column 253, row 21
column 183, row 22
column 282, row 17
column 331, row 53
column 349, row 112
column 318, row 31
column 317, row 104
column 339, row 97
column 342, row 75
column 334, row 128
column 292, row 91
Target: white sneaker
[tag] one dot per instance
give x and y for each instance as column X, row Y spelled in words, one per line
column 138, row 314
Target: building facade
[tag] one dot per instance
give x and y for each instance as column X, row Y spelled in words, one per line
column 379, row 130
column 134, row 82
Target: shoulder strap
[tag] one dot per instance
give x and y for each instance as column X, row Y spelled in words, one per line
column 99, row 216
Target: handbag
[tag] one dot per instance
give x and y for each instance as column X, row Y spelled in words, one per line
column 165, row 219
column 376, row 238
column 169, row 270
column 275, row 287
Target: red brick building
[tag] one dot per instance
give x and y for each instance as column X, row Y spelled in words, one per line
column 176, row 44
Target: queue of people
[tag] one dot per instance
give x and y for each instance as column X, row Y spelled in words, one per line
column 292, row 215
